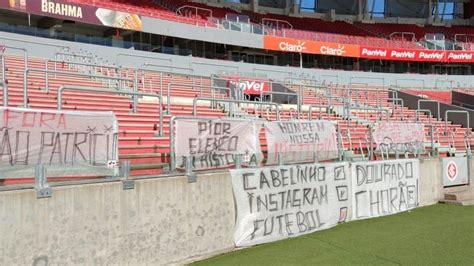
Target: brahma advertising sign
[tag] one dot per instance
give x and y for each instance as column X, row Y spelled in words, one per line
column 63, row 9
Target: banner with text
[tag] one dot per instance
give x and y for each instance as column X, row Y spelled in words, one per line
column 56, row 139
column 367, row 52
column 310, row 47
column 384, row 187
column 274, row 203
column 63, row 9
column 399, row 137
column 301, row 141
column 214, row 143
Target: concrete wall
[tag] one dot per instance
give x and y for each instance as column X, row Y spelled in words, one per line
column 431, row 182
column 192, row 32
column 41, row 47
column 161, row 221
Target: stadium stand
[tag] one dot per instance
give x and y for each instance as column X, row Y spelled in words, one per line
column 149, row 194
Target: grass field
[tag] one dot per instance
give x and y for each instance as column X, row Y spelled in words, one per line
column 435, row 235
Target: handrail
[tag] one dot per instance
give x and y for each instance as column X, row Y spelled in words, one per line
column 430, row 124
column 382, row 110
column 168, row 92
column 5, row 93
column 3, row 68
column 25, row 52
column 28, row 70
column 117, row 57
column 329, row 108
column 178, row 11
column 367, row 77
column 410, row 80
column 46, row 67
column 397, row 100
column 56, row 55
column 298, row 103
column 276, row 20
column 34, row 42
column 173, row 67
column 79, row 64
column 455, row 111
column 423, row 111
column 278, row 106
column 168, row 72
column 89, row 89
column 430, row 101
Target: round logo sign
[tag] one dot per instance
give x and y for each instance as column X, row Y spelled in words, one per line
column 452, row 171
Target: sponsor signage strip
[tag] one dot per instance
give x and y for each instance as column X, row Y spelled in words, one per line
column 367, row 52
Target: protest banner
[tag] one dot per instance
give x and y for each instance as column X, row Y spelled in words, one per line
column 278, row 202
column 215, row 143
column 399, row 137
column 56, row 138
column 301, row 141
column 384, row 187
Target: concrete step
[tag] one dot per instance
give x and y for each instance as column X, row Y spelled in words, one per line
column 463, row 193
column 461, row 202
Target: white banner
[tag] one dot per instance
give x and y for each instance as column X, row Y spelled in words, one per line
column 214, row 143
column 401, row 137
column 278, row 202
column 384, row 187
column 300, row 141
column 56, row 138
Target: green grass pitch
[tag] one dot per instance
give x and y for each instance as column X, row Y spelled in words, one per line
column 434, row 235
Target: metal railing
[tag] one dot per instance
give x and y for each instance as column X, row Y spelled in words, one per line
column 349, row 108
column 430, row 124
column 278, row 106
column 73, row 55
column 5, row 93
column 23, row 50
column 328, row 109
column 88, row 89
column 92, row 66
column 458, row 112
column 288, row 94
column 396, row 101
column 74, row 74
column 430, row 101
column 201, row 87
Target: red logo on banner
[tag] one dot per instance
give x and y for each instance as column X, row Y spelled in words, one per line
column 452, row 171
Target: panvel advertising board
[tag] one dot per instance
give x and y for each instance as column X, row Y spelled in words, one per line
column 57, row 139
column 63, row 9
column 384, row 187
column 275, row 203
column 248, row 86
